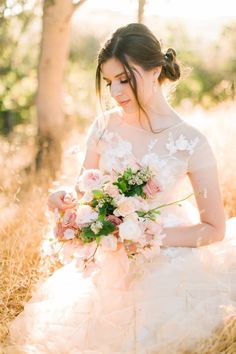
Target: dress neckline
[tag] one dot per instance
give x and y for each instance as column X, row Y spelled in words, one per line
column 149, row 131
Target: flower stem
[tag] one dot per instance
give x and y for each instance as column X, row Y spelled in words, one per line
column 91, row 257
column 167, row 204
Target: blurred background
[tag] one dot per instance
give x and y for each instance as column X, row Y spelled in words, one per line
column 47, row 101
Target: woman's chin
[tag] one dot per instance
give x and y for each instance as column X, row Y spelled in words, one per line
column 129, row 109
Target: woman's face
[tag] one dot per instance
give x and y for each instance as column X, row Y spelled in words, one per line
column 120, row 89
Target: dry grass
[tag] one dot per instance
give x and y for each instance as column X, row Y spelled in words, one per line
column 23, row 221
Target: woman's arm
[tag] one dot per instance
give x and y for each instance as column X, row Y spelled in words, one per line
column 203, row 175
column 91, row 158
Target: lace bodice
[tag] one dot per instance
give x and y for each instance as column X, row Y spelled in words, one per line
column 117, row 153
column 172, row 154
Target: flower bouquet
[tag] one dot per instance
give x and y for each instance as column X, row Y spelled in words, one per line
column 114, row 212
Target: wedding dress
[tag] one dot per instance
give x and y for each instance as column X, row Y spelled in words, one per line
column 138, row 307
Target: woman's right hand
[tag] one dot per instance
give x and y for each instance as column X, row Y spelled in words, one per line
column 62, row 199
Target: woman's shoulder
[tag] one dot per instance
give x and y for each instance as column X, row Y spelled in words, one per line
column 203, row 154
column 108, row 117
column 188, row 130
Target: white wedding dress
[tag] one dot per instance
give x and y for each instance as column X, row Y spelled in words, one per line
column 138, row 307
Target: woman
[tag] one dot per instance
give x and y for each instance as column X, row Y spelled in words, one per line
column 180, row 298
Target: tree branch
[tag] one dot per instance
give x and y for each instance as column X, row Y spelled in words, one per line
column 141, row 5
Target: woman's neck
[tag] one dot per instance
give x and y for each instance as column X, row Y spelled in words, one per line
column 160, row 114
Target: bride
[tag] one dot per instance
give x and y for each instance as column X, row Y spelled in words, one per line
column 186, row 292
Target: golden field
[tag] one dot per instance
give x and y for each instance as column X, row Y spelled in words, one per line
column 23, row 198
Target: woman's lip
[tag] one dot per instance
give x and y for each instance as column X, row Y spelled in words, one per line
column 122, row 103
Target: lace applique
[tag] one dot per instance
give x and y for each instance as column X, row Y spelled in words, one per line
column 182, row 143
column 120, row 147
column 152, row 145
column 153, row 161
column 115, row 153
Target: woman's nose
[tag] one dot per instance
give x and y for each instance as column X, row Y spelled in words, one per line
column 115, row 89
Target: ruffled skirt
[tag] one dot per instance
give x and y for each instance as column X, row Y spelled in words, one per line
column 137, row 307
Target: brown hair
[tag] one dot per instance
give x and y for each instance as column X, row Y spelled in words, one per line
column 137, row 43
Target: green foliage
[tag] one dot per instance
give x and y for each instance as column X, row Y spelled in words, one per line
column 131, row 183
column 210, row 81
column 104, row 203
column 208, row 67
column 87, row 235
column 18, row 62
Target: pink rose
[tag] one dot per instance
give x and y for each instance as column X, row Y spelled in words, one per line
column 113, row 219
column 59, row 231
column 90, row 179
column 69, row 218
column 85, row 214
column 130, row 230
column 153, row 228
column 151, row 188
column 69, row 198
column 111, row 189
column 125, row 206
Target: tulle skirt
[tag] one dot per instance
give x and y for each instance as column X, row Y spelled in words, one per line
column 132, row 307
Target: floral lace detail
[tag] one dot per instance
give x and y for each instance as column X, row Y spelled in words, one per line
column 152, row 145
column 182, row 143
column 116, row 153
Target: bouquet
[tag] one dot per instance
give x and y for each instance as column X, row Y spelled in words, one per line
column 114, row 212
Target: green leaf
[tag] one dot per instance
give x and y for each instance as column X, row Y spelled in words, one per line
column 107, row 228
column 87, row 235
column 98, row 238
column 97, row 193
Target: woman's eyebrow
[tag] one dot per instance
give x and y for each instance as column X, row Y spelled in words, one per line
column 115, row 76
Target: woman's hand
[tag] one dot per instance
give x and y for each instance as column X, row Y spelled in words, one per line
column 62, row 199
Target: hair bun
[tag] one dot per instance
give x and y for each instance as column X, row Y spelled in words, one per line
column 170, row 54
column 170, row 69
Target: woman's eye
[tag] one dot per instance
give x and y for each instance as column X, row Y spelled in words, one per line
column 121, row 81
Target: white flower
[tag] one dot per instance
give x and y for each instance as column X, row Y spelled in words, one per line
column 150, row 252
column 109, row 242
column 90, row 179
column 142, row 204
column 85, row 214
column 125, row 206
column 69, row 234
column 96, row 226
column 87, row 197
column 111, row 189
column 130, row 230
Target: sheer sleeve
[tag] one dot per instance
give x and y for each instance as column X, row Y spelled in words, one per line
column 202, row 157
column 96, row 131
column 91, row 152
column 204, row 177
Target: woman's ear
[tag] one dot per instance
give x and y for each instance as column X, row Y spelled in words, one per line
column 156, row 72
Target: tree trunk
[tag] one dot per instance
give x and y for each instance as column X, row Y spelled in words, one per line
column 141, row 5
column 50, row 110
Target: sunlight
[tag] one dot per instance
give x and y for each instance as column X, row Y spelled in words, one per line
column 170, row 8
